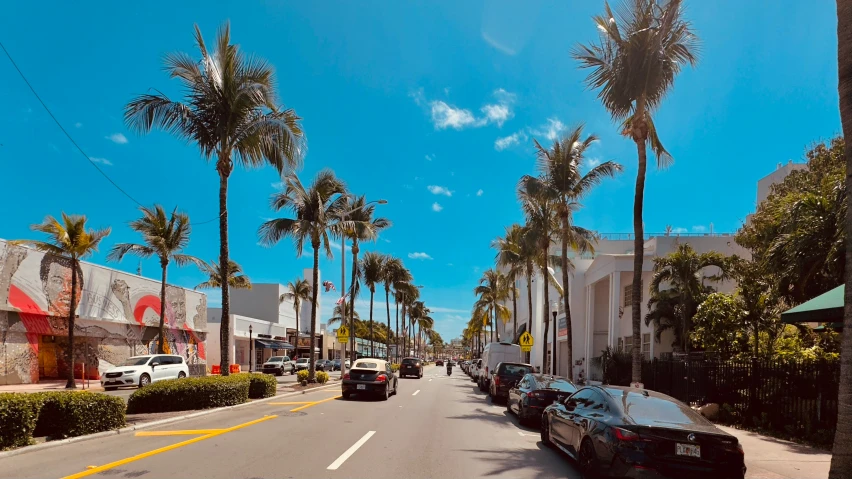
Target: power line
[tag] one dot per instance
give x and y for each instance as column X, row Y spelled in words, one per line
column 71, row 139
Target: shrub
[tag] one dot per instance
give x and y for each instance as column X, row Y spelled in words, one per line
column 262, row 386
column 302, row 375
column 70, row 414
column 190, row 393
column 395, row 367
column 18, row 416
column 322, row 377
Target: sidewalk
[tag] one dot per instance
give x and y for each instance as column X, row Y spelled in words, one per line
column 58, row 385
column 770, row 458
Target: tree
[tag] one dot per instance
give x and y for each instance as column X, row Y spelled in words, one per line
column 561, row 169
column 492, row 291
column 340, row 312
column 313, row 209
column 684, row 271
column 641, row 51
column 236, row 278
column 718, row 325
column 165, row 237
column 372, row 267
column 394, row 273
column 230, row 112
column 71, row 240
column 407, row 294
column 510, row 256
column 298, row 290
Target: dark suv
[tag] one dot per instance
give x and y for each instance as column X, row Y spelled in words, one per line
column 411, row 367
column 504, row 377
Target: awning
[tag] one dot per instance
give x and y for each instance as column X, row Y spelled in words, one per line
column 825, row 308
column 272, row 344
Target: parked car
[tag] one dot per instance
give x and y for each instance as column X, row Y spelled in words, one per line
column 439, row 362
column 504, row 377
column 475, row 365
column 301, row 363
column 370, row 376
column 144, row 370
column 494, row 354
column 534, row 392
column 324, row 365
column 627, row 432
column 411, row 367
column 335, row 365
column 278, row 365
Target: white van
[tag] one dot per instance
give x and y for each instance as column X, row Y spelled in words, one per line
column 494, row 354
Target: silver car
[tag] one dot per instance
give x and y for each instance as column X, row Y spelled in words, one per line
column 278, row 365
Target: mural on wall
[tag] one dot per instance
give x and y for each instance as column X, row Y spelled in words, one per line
column 118, row 313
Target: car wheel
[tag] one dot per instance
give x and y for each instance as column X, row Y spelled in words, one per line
column 522, row 416
column 545, row 431
column 587, row 459
column 110, row 389
column 346, row 395
column 395, row 387
column 386, row 394
column 181, row 375
column 144, row 380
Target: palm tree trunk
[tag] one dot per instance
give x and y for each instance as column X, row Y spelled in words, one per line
column 312, row 363
column 529, row 301
column 161, row 343
column 297, row 325
column 72, row 316
column 841, row 459
column 398, row 346
column 372, row 351
column 566, row 300
column 546, row 309
column 514, row 309
column 638, row 236
column 388, row 338
column 224, row 167
column 352, row 298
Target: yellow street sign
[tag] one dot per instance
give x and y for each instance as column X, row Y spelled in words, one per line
column 342, row 334
column 526, row 340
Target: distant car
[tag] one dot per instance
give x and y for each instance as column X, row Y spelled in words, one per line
column 324, row 365
column 439, row 362
column 534, row 392
column 411, row 367
column 504, row 377
column 301, row 363
column 278, row 365
column 335, row 365
column 629, row 432
column 144, row 370
column 370, row 376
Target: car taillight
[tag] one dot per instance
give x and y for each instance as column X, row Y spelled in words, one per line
column 625, row 435
column 535, row 394
column 417, row 364
column 382, row 378
column 496, row 380
column 346, row 376
column 486, row 370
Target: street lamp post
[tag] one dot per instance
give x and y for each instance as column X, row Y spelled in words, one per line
column 251, row 348
column 554, row 308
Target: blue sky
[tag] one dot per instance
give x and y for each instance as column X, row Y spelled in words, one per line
column 429, row 105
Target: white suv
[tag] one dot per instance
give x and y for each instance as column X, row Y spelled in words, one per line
column 143, row 370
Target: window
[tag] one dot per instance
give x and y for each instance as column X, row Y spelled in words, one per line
column 646, row 345
column 582, row 397
column 628, row 293
column 628, row 344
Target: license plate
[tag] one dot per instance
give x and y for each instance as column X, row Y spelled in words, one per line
column 690, row 450
column 362, row 386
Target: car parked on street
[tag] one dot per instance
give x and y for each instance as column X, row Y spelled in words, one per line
column 278, row 365
column 439, row 362
column 629, row 432
column 533, row 393
column 475, row 366
column 370, row 376
column 324, row 365
column 492, row 355
column 144, row 370
column 335, row 365
column 411, row 367
column 504, row 377
column 301, row 363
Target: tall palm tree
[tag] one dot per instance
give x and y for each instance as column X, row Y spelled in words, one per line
column 561, row 169
column 510, row 257
column 841, row 459
column 71, row 240
column 236, row 278
column 313, row 209
column 528, row 254
column 406, row 294
column 641, row 50
column 394, row 273
column 231, row 112
column 340, row 312
column 165, row 237
column 492, row 291
column 373, row 270
column 298, row 290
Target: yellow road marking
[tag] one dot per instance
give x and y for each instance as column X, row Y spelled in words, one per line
column 314, row 404
column 288, row 403
column 144, row 455
column 185, row 432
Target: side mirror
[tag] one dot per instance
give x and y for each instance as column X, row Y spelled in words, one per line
column 155, row 363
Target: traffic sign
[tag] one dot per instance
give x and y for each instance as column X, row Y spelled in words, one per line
column 343, row 334
column 526, row 341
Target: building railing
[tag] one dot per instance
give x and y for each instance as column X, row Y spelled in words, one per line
column 629, row 236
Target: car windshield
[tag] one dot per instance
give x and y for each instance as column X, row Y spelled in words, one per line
column 514, row 370
column 302, row 360
column 138, row 361
column 410, row 361
column 275, row 359
column 656, row 410
column 558, row 384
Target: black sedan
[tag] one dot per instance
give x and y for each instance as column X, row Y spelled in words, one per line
column 504, row 377
column 534, row 392
column 411, row 367
column 439, row 362
column 626, row 432
column 370, row 376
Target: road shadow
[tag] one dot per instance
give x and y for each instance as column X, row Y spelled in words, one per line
column 546, row 462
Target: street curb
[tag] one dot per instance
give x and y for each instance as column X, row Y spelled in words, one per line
column 145, row 425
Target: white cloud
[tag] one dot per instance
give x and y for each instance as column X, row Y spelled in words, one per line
column 699, row 229
column 679, row 230
column 439, row 190
column 336, row 246
column 102, row 161
column 593, row 162
column 277, row 185
column 117, row 138
column 436, row 207
column 445, row 116
column 550, row 130
column 419, row 256
column 78, row 125
column 497, row 113
column 479, row 193
column 439, row 309
column 430, row 157
column 501, row 144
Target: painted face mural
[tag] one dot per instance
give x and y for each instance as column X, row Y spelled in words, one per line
column 56, row 280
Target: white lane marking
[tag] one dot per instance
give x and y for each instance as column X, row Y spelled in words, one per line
column 415, row 392
column 346, row 455
column 430, row 380
column 520, row 433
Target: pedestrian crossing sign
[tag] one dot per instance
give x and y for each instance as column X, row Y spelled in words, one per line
column 343, row 334
column 526, row 341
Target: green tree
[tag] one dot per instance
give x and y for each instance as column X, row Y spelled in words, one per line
column 165, row 236
column 372, row 267
column 510, row 257
column 493, row 290
column 641, row 50
column 236, row 278
column 313, row 210
column 394, row 274
column 71, row 240
column 298, row 290
column 231, row 112
column 718, row 325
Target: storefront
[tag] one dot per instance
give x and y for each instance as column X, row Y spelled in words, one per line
column 267, row 346
column 304, row 343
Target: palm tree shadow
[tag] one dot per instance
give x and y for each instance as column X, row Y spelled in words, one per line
column 542, row 462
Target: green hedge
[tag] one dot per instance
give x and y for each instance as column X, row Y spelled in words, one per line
column 262, row 386
column 56, row 415
column 302, row 375
column 395, row 367
column 190, row 393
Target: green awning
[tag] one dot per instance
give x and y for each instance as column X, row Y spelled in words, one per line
column 825, row 308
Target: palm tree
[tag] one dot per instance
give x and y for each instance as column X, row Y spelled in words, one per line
column 406, row 294
column 510, row 257
column 641, row 51
column 561, row 169
column 394, row 273
column 683, row 271
column 528, row 254
column 492, row 291
column 420, row 318
column 372, row 268
column 165, row 237
column 236, row 278
column 313, row 209
column 71, row 240
column 298, row 290
column 340, row 312
column 230, row 111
